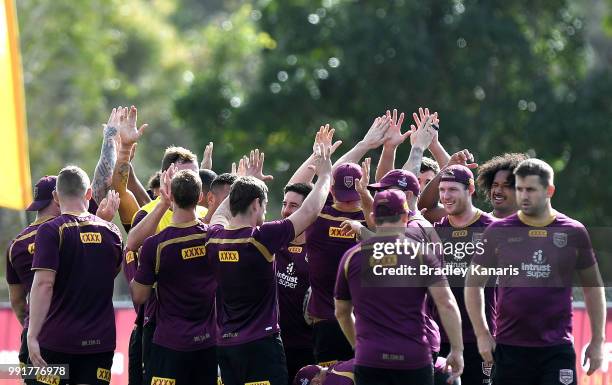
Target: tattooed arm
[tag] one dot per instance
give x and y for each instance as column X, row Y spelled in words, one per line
column 128, row 205
column 108, row 156
column 423, row 137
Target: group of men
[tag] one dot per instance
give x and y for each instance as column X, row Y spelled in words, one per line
column 222, row 295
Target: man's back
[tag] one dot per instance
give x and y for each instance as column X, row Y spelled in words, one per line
column 85, row 253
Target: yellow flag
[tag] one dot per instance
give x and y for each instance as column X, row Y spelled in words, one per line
column 16, row 191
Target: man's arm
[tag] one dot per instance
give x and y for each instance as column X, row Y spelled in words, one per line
column 207, row 157
column 451, row 321
column 148, row 225
column 375, row 136
column 595, row 301
column 344, row 315
column 40, row 301
column 17, row 296
column 128, row 205
column 140, row 292
column 421, row 139
column 136, row 188
column 361, row 186
column 475, row 305
column 314, row 202
column 108, row 156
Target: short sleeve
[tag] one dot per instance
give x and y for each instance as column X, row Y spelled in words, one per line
column 145, row 273
column 342, row 290
column 276, row 234
column 488, row 257
column 46, row 248
column 584, row 249
column 11, row 275
column 130, row 263
column 139, row 216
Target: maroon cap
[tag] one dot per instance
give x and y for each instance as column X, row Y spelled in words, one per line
column 389, row 203
column 344, row 182
column 401, row 179
column 43, row 193
column 457, row 173
column 306, row 374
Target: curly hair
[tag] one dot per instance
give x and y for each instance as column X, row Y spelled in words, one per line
column 486, row 172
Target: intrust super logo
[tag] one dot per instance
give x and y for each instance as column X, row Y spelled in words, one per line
column 103, row 374
column 91, row 237
column 336, row 232
column 193, row 252
column 162, row 381
column 229, row 256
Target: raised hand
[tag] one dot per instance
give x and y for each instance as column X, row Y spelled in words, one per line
column 165, row 182
column 254, row 166
column 127, row 126
column 420, row 119
column 109, row 206
column 361, row 185
column 325, row 136
column 207, row 157
column 394, row 135
column 351, row 227
column 376, row 135
column 464, row 158
column 323, row 165
column 424, row 135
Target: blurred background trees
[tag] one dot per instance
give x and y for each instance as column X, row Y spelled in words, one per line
column 531, row 76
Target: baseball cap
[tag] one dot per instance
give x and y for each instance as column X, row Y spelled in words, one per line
column 306, row 374
column 389, row 203
column 457, row 173
column 402, row 179
column 43, row 193
column 344, row 182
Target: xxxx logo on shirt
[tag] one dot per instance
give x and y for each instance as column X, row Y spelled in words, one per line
column 162, row 381
column 295, row 249
column 103, row 374
column 49, row 380
column 336, row 232
column 229, row 256
column 193, row 252
column 91, row 237
column 258, row 383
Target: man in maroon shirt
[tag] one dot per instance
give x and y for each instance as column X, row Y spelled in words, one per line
column 184, row 341
column 250, row 348
column 77, row 256
column 533, row 343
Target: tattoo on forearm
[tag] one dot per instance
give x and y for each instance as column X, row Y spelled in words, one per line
column 104, row 169
column 124, row 174
column 413, row 164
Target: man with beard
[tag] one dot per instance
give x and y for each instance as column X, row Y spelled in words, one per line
column 496, row 181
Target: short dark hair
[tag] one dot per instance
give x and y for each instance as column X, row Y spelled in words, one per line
column 225, row 179
column 537, row 167
column 207, row 176
column 428, row 164
column 186, row 187
column 299, row 188
column 244, row 190
column 72, row 182
column 177, row 155
column 382, row 215
column 154, row 180
column 505, row 162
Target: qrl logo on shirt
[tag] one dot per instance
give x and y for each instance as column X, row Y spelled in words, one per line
column 103, row 374
column 336, row 232
column 486, row 369
column 229, row 256
column 91, row 237
column 31, row 248
column 162, row 381
column 538, row 233
column 193, row 252
column 295, row 249
column 566, row 376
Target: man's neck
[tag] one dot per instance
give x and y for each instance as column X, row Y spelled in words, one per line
column 183, row 215
column 503, row 213
column 464, row 218
column 73, row 207
column 242, row 221
column 543, row 217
